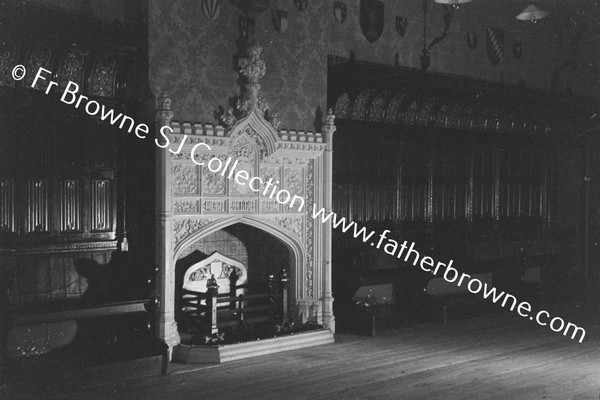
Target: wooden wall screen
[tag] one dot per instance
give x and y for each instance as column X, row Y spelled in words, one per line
column 404, row 175
column 425, row 148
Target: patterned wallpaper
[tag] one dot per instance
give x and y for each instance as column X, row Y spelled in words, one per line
column 191, row 58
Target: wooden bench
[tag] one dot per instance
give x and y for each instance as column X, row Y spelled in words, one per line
column 451, row 296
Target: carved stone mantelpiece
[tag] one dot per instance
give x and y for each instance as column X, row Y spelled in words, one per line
column 195, row 202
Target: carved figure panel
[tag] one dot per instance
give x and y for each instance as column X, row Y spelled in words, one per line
column 269, row 172
column 293, row 179
column 293, row 224
column 245, row 152
column 213, row 183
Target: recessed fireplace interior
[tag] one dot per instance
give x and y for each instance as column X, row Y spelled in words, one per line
column 257, row 257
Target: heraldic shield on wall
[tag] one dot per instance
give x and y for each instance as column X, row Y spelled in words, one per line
column 280, row 20
column 495, row 45
column 211, row 9
column 340, row 11
column 371, row 19
column 401, row 23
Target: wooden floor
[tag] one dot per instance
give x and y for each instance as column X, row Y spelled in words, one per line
column 500, row 356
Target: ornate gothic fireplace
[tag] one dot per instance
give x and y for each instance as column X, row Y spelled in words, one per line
column 194, row 203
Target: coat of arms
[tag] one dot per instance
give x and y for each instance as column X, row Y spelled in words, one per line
column 495, row 45
column 211, row 9
column 401, row 23
column 246, row 27
column 280, row 20
column 371, row 19
column 471, row 40
column 517, row 48
column 340, row 11
column 301, row 4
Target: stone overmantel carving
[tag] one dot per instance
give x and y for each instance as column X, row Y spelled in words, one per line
column 194, row 202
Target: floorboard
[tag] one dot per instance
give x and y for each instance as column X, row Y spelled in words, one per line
column 500, row 356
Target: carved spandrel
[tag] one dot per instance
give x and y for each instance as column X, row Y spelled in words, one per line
column 184, row 228
column 293, row 224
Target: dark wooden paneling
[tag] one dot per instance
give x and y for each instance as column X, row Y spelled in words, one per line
column 438, row 176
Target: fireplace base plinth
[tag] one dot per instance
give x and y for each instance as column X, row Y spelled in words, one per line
column 230, row 352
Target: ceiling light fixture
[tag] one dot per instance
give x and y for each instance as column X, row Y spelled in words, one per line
column 453, row 3
column 532, row 13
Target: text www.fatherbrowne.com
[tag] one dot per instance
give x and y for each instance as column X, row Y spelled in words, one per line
column 427, row 264
column 71, row 96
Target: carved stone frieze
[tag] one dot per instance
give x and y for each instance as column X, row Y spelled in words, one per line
column 300, row 146
column 185, row 207
column 239, row 206
column 214, row 206
column 286, row 160
column 269, row 206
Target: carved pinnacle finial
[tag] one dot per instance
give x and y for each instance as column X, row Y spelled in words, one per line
column 252, row 68
column 163, row 109
column 329, row 118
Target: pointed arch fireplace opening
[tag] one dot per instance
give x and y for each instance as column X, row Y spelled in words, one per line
column 246, row 263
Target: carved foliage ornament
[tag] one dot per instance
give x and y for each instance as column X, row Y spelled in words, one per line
column 185, row 179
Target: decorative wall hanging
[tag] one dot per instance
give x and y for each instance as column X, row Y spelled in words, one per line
column 301, row 4
column 517, row 48
column 495, row 45
column 251, row 6
column 211, row 9
column 340, row 11
column 471, row 40
column 401, row 23
column 280, row 20
column 371, row 19
column 246, row 27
